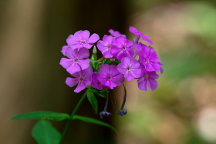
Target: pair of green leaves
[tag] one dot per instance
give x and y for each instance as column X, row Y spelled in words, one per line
column 45, row 133
column 47, row 115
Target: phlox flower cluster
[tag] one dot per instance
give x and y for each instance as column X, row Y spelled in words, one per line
column 122, row 59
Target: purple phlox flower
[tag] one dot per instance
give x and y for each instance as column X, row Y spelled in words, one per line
column 130, row 68
column 109, row 76
column 77, row 59
column 149, row 59
column 82, row 39
column 105, row 46
column 82, row 79
column 95, row 81
column 139, row 34
column 116, row 33
column 122, row 47
column 148, row 80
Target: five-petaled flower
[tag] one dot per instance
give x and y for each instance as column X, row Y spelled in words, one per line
column 122, row 47
column 149, row 59
column 130, row 68
column 82, row 39
column 109, row 76
column 148, row 80
column 77, row 59
column 82, row 79
column 105, row 46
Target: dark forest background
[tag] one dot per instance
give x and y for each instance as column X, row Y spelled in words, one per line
column 181, row 111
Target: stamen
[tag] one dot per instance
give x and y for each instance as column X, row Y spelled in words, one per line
column 147, row 60
column 76, row 60
column 128, row 68
column 123, row 111
column 109, row 77
column 105, row 113
column 82, row 41
column 81, row 79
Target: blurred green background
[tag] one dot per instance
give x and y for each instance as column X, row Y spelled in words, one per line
column 181, row 111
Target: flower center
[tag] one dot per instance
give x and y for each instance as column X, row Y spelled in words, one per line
column 109, row 46
column 146, row 76
column 129, row 68
column 81, row 79
column 76, row 60
column 82, row 41
column 109, row 77
column 147, row 60
column 124, row 47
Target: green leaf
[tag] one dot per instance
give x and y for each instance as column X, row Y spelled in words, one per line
column 42, row 115
column 93, row 121
column 103, row 93
column 93, row 100
column 44, row 133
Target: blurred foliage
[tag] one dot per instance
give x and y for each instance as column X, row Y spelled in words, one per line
column 171, row 114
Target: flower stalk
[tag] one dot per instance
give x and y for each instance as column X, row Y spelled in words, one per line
column 67, row 126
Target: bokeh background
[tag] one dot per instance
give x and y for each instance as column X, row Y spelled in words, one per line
column 181, row 111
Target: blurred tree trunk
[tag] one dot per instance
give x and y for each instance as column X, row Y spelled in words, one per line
column 32, row 34
column 19, row 42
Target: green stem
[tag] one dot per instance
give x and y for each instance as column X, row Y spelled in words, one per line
column 71, row 117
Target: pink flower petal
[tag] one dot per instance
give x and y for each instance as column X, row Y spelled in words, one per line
column 133, row 30
column 84, row 34
column 65, row 63
column 84, row 63
column 70, row 53
column 88, row 46
column 71, row 82
column 81, row 86
column 104, row 69
column 128, row 76
column 95, row 82
column 110, row 84
column 152, row 84
column 71, row 39
column 142, row 84
column 118, row 79
column 136, row 73
column 83, row 53
column 63, row 51
column 73, row 68
column 88, row 73
column 93, row 38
